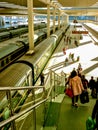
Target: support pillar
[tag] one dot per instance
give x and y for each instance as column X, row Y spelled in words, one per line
column 59, row 19
column 30, row 26
column 54, row 12
column 48, row 20
column 67, row 19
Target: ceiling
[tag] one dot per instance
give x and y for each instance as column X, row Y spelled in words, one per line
column 70, row 7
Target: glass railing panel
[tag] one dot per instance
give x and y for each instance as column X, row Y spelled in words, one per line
column 46, row 110
column 40, row 116
column 36, row 117
column 31, row 119
column 26, row 121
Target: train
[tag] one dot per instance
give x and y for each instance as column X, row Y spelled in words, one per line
column 14, row 50
column 17, row 74
column 14, row 31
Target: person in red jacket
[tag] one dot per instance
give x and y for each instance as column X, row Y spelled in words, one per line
column 64, row 51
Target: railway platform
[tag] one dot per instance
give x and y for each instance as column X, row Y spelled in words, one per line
column 66, row 117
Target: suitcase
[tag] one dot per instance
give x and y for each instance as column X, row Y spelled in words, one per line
column 84, row 97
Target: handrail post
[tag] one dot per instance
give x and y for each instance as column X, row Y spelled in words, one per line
column 54, row 86
column 51, row 83
column 8, row 93
column 58, row 90
column 34, row 110
column 44, row 104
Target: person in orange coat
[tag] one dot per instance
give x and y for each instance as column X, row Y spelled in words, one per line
column 77, row 87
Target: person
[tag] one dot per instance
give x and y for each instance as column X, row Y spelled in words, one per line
column 92, row 86
column 79, row 66
column 72, row 56
column 66, row 61
column 74, row 69
column 64, row 51
column 96, row 85
column 84, row 82
column 67, row 81
column 64, row 39
column 76, row 43
column 78, row 58
column 84, row 97
column 76, row 85
column 91, row 82
column 95, row 113
column 42, row 79
column 69, row 40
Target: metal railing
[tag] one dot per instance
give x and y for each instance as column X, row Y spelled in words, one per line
column 37, row 100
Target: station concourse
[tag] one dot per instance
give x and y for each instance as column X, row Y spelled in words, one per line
column 70, row 118
column 47, row 107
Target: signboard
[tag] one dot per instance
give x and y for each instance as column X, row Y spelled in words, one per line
column 79, row 32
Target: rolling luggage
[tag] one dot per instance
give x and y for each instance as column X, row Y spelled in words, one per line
column 84, row 97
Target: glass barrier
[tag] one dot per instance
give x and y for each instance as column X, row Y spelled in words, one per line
column 29, row 106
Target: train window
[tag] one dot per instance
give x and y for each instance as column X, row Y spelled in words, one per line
column 7, row 60
column 2, row 63
column 27, row 81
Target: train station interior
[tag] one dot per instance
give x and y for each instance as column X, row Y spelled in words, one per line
column 41, row 43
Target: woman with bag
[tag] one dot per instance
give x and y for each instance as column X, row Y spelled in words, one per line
column 76, row 85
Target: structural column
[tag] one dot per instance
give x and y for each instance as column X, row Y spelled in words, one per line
column 30, row 26
column 67, row 19
column 54, row 12
column 63, row 20
column 10, row 20
column 96, row 19
column 48, row 20
column 2, row 22
column 59, row 13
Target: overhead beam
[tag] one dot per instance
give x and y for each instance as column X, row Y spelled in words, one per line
column 45, row 1
column 13, row 11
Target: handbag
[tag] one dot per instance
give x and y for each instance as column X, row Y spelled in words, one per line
column 69, row 92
